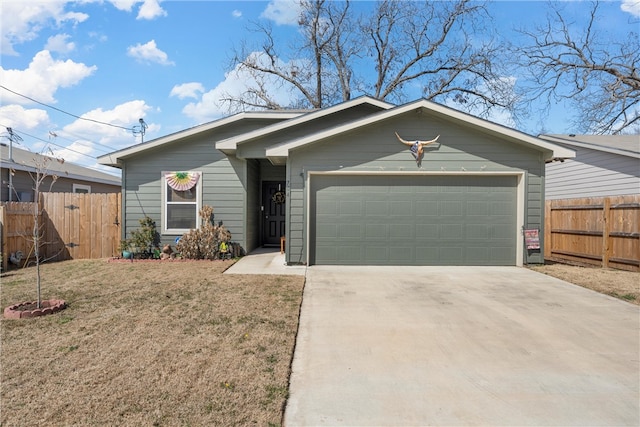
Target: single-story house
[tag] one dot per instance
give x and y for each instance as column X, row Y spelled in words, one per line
column 343, row 188
column 72, row 178
column 605, row 165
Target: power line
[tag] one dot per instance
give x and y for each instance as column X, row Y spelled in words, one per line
column 106, row 148
column 65, row 112
column 57, row 145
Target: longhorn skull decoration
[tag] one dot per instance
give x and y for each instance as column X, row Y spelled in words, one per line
column 417, row 147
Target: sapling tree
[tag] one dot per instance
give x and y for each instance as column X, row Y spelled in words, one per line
column 42, row 179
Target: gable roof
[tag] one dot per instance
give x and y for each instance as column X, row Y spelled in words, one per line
column 278, row 152
column 28, row 161
column 112, row 159
column 624, row 145
column 229, row 145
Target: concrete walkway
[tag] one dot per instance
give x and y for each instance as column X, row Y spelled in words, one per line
column 463, row 346
column 265, row 261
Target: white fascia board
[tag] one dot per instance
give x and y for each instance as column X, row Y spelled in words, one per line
column 113, row 159
column 556, row 152
column 230, row 144
column 596, row 147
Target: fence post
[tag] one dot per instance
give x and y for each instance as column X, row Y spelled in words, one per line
column 548, row 244
column 3, row 237
column 606, row 227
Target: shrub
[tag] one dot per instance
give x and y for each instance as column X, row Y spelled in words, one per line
column 204, row 242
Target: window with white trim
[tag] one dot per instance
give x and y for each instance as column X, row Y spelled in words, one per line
column 81, row 188
column 181, row 201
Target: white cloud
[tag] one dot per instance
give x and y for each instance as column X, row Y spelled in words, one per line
column 631, row 6
column 60, row 44
column 125, row 115
column 187, row 90
column 211, row 105
column 283, row 12
column 236, row 13
column 85, row 135
column 125, row 5
column 151, row 9
column 43, row 78
column 18, row 117
column 22, row 21
column 149, row 53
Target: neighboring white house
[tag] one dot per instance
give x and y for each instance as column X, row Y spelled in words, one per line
column 605, row 165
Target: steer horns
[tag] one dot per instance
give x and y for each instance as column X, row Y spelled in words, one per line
column 417, row 147
column 420, row 143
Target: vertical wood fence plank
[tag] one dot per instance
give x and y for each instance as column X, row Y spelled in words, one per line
column 606, row 225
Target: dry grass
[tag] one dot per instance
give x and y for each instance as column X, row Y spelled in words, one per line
column 617, row 283
column 142, row 344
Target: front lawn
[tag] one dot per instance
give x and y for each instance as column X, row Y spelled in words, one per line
column 148, row 344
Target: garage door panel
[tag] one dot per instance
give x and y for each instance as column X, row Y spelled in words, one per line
column 479, row 208
column 400, row 208
column 350, row 231
column 414, row 220
column 350, row 207
column 477, row 231
column 402, row 232
column 426, row 208
column 376, row 208
column 377, row 254
column 451, row 208
column 328, row 231
column 376, row 231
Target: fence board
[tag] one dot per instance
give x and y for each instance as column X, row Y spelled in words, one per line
column 602, row 231
column 17, row 220
column 75, row 226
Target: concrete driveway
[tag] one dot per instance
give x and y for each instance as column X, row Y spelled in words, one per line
column 499, row 346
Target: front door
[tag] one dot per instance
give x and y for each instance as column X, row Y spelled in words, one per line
column 273, row 201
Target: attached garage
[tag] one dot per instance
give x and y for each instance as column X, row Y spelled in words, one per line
column 413, row 219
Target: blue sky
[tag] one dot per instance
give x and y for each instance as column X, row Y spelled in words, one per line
column 165, row 61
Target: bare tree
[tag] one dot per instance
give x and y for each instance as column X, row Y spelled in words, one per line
column 319, row 71
column 598, row 75
column 441, row 48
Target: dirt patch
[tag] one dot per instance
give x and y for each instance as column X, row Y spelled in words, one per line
column 149, row 344
column 617, row 283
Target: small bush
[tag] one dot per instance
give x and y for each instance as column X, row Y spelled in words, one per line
column 204, row 242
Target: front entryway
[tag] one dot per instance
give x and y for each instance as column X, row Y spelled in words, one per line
column 273, row 201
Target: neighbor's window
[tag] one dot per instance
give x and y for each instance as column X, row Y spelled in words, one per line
column 81, row 188
column 181, row 196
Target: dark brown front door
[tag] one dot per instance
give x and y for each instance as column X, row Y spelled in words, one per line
column 273, row 200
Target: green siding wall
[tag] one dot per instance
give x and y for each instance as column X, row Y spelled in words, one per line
column 375, row 148
column 256, row 148
column 224, row 180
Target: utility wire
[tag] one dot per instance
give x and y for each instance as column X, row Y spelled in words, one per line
column 64, row 112
column 57, row 145
column 106, row 148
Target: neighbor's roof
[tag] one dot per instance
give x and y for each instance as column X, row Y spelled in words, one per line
column 277, row 152
column 28, row 161
column 229, row 145
column 624, row 145
column 111, row 159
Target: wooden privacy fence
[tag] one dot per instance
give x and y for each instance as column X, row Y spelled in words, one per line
column 73, row 226
column 602, row 231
